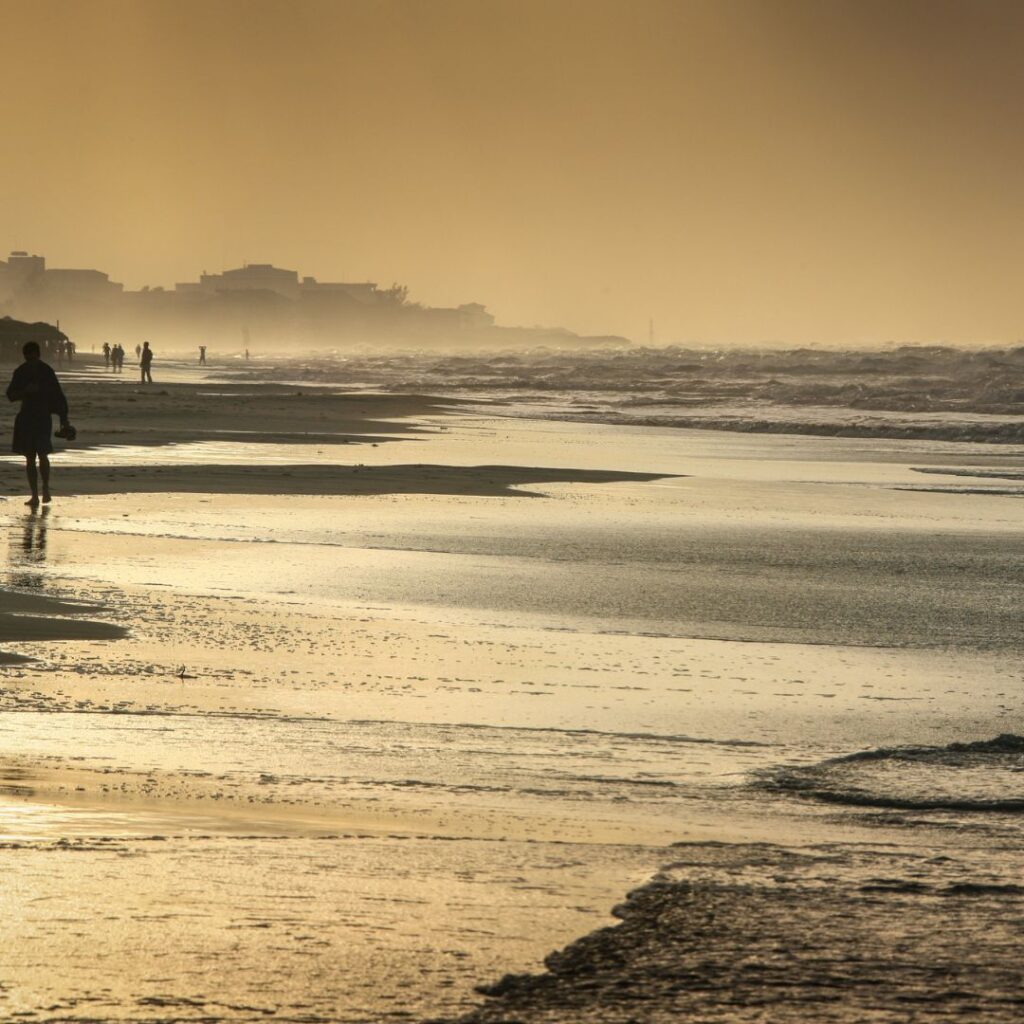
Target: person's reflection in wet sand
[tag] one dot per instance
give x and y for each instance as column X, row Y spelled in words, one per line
column 31, row 552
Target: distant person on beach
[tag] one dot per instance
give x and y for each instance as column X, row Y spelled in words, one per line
column 138, row 351
column 106, row 353
column 246, row 353
column 35, row 385
column 202, row 355
column 117, row 357
column 146, row 361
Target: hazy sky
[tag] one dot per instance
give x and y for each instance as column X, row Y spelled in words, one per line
column 742, row 170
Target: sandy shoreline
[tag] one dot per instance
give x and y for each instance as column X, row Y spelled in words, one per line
column 472, row 712
column 120, row 410
column 715, row 936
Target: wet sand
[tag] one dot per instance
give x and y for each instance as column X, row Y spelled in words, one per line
column 328, row 480
column 27, row 616
column 356, row 743
column 754, row 933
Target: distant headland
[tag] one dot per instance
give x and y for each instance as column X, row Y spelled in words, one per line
column 257, row 305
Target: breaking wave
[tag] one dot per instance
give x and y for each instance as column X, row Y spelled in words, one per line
column 987, row 775
column 926, row 392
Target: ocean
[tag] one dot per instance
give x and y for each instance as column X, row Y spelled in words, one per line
column 360, row 754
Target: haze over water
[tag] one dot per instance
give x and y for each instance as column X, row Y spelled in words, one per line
column 787, row 173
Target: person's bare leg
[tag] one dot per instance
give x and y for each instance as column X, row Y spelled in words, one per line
column 33, row 480
column 44, row 472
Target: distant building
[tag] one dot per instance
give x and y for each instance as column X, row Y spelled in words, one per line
column 473, row 315
column 258, row 300
column 469, row 317
column 20, row 266
column 92, row 284
column 253, row 277
column 42, row 292
column 14, row 334
column 364, row 292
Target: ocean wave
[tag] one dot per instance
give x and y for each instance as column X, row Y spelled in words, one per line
column 917, row 392
column 649, row 737
column 979, row 776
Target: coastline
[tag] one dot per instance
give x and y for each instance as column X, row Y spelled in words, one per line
column 807, row 933
column 932, row 393
column 422, row 659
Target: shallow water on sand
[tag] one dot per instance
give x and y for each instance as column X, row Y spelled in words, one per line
column 471, row 438
column 357, row 754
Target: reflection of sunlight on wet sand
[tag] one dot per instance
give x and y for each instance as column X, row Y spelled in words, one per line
column 362, row 688
column 26, row 550
column 234, row 451
column 462, row 439
column 27, row 821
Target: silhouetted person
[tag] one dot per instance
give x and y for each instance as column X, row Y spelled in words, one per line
column 138, row 351
column 106, row 353
column 246, row 353
column 202, row 355
column 35, row 385
column 146, row 361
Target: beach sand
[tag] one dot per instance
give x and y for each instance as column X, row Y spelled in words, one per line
column 339, row 706
column 753, row 933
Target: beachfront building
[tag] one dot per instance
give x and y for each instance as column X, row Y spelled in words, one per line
column 272, row 303
column 18, row 268
column 257, row 277
column 365, row 293
column 31, row 289
column 14, row 334
column 252, row 277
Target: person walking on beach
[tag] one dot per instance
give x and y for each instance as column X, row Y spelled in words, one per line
column 138, row 351
column 35, row 385
column 202, row 355
column 146, row 361
column 106, row 353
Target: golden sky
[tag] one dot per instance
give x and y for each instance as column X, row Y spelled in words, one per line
column 802, row 171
